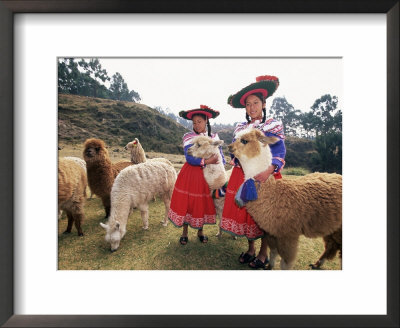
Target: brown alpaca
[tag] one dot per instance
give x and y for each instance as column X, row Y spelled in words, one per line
column 310, row 205
column 100, row 171
column 72, row 185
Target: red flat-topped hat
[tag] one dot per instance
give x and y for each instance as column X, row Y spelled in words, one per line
column 265, row 84
column 205, row 110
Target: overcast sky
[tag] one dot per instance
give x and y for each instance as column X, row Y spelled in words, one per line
column 186, row 83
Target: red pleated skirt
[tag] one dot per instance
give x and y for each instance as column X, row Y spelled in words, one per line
column 191, row 201
column 236, row 220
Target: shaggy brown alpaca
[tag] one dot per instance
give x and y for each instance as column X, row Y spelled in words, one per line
column 100, row 171
column 309, row 205
column 72, row 185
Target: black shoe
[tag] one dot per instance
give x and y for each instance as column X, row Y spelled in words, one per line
column 245, row 258
column 183, row 240
column 258, row 264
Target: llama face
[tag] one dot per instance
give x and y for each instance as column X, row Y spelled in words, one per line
column 204, row 147
column 246, row 145
column 249, row 144
column 93, row 149
column 114, row 235
column 132, row 144
column 252, row 150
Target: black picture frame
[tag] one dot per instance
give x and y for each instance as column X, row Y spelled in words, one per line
column 7, row 11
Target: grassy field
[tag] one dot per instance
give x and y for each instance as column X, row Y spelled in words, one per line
column 158, row 248
column 120, row 154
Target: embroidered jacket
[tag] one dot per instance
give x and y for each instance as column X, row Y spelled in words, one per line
column 188, row 142
column 270, row 128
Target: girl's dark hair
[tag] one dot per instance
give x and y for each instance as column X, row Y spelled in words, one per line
column 208, row 123
column 259, row 96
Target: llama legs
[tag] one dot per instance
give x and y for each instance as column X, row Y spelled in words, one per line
column 287, row 249
column 167, row 202
column 144, row 212
column 107, row 204
column 333, row 244
column 78, row 218
column 272, row 258
column 70, row 222
column 273, row 253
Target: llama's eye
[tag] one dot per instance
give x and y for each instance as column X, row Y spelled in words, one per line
column 97, row 148
column 243, row 141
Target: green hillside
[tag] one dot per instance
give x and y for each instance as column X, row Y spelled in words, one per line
column 117, row 123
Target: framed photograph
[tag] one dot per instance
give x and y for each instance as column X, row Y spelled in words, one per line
column 365, row 39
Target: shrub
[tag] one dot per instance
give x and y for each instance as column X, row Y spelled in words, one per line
column 329, row 153
column 298, row 171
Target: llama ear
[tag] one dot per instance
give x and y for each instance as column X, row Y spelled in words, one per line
column 218, row 142
column 105, row 226
column 267, row 140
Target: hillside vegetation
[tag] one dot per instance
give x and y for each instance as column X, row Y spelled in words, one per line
column 117, row 123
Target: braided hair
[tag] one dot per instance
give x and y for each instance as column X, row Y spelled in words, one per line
column 259, row 96
column 207, row 120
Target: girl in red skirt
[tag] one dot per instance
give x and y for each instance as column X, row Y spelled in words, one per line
column 235, row 219
column 191, row 203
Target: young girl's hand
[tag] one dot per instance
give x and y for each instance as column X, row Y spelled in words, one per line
column 212, row 160
column 263, row 176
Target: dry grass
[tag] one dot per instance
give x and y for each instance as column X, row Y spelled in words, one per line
column 119, row 154
column 158, row 248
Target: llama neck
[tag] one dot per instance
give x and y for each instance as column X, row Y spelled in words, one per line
column 255, row 165
column 215, row 174
column 105, row 162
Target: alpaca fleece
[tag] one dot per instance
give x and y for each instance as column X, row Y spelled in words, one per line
column 101, row 173
column 310, row 205
column 78, row 160
column 134, row 187
column 72, row 185
column 82, row 163
column 316, row 198
column 205, row 147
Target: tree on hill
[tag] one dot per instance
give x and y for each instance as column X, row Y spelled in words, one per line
column 326, row 116
column 325, row 122
column 68, row 76
column 119, row 89
column 93, row 76
column 87, row 78
column 282, row 111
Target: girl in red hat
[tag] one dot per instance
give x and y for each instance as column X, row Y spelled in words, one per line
column 235, row 219
column 191, row 203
